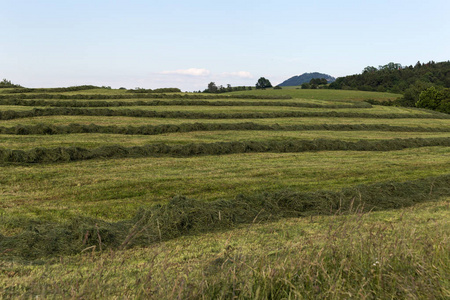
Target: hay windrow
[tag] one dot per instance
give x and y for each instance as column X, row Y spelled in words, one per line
column 137, row 96
column 45, row 129
column 89, row 103
column 60, row 154
column 66, row 111
column 183, row 216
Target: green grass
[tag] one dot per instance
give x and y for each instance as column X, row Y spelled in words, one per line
column 114, row 189
column 250, row 109
column 322, row 94
column 124, row 121
column 390, row 254
column 93, row 140
column 398, row 254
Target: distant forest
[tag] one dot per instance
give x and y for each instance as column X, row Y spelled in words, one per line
column 393, row 77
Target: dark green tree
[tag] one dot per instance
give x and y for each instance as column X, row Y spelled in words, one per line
column 212, row 87
column 263, row 83
column 318, row 81
column 306, row 86
column 369, row 69
column 430, row 98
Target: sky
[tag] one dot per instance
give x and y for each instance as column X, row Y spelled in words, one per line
column 187, row 44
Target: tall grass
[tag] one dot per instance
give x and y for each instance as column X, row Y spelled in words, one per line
column 397, row 254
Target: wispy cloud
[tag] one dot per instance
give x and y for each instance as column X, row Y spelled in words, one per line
column 189, row 72
column 240, row 74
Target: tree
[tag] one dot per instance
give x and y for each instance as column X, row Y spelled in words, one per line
column 436, row 99
column 212, row 88
column 306, row 85
column 370, row 69
column 263, row 83
column 318, row 81
column 430, row 98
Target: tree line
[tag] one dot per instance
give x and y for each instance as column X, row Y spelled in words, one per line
column 262, row 83
column 8, row 84
column 410, row 81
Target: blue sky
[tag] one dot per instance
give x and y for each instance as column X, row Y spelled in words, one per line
column 188, row 44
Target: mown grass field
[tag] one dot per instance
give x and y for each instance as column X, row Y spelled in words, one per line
column 348, row 201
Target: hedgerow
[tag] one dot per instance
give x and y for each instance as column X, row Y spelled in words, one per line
column 46, row 129
column 60, row 154
column 184, row 216
column 37, row 112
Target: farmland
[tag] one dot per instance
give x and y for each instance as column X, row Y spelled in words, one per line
column 306, row 194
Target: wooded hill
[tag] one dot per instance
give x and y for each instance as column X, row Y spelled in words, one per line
column 396, row 78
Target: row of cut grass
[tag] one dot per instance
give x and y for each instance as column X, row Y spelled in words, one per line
column 375, row 110
column 114, row 189
column 183, row 216
column 131, row 121
column 178, row 102
column 93, row 140
column 217, row 114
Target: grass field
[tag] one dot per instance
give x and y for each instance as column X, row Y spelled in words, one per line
column 118, row 225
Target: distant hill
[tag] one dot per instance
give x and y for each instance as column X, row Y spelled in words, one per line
column 305, row 78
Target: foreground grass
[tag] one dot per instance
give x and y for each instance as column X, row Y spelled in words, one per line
column 401, row 254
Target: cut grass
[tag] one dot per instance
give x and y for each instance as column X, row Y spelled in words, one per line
column 294, row 92
column 124, row 121
column 396, row 254
column 94, row 140
column 246, row 109
column 114, row 189
column 226, row 101
column 389, row 254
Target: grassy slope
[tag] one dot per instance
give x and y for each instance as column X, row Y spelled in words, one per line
column 328, row 257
